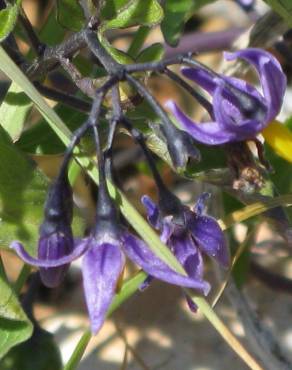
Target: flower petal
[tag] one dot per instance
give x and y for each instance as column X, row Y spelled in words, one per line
column 152, row 211
column 53, row 247
column 271, row 75
column 209, row 236
column 210, row 133
column 188, row 254
column 79, row 249
column 101, row 268
column 141, row 255
column 228, row 116
column 202, row 77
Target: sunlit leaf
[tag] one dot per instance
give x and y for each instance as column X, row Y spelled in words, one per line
column 140, row 12
column 112, row 8
column 283, row 7
column 8, row 18
column 14, row 325
column 30, row 354
column 14, row 111
column 22, row 195
column 154, row 52
column 70, row 14
column 176, row 13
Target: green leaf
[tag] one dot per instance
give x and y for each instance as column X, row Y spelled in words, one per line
column 282, row 7
column 40, row 139
column 112, row 8
column 22, row 195
column 139, row 12
column 30, row 354
column 152, row 53
column 8, row 18
column 14, row 111
column 176, row 13
column 52, row 33
column 70, row 14
column 14, row 325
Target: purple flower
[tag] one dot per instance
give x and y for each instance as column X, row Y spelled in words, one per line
column 56, row 239
column 103, row 262
column 240, row 111
column 188, row 240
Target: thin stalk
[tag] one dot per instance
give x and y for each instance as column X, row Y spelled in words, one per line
column 21, row 279
column 66, row 99
column 85, row 84
column 200, row 98
column 35, row 42
column 139, row 138
column 168, row 200
column 151, row 100
column 78, row 351
column 218, row 324
column 110, row 65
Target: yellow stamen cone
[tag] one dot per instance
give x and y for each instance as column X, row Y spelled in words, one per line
column 279, row 138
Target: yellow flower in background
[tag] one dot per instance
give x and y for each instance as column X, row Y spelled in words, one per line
column 279, row 137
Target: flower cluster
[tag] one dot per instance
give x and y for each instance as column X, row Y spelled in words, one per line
column 239, row 112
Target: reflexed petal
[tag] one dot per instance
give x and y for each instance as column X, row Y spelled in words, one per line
column 271, row 75
column 201, row 77
column 245, row 87
column 79, row 249
column 101, row 268
column 152, row 211
column 141, row 255
column 209, row 236
column 210, row 133
column 186, row 251
column 236, row 125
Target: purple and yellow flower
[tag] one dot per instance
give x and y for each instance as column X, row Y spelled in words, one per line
column 240, row 111
column 190, row 236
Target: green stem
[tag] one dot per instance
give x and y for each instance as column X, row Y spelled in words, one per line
column 79, row 351
column 22, row 277
column 221, row 328
column 138, row 41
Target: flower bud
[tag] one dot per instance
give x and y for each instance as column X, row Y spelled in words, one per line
column 56, row 239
